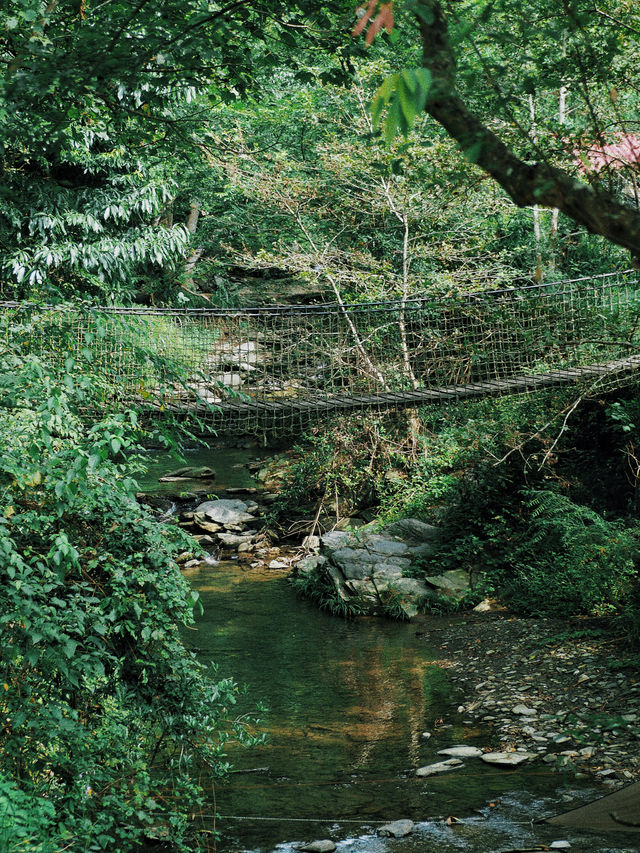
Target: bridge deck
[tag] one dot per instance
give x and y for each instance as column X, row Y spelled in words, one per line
column 336, row 403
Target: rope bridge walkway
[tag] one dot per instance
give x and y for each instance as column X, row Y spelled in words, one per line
column 277, row 368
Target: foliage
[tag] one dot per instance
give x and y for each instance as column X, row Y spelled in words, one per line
column 506, row 124
column 540, row 551
column 570, row 559
column 108, row 718
column 318, row 587
column 339, row 471
column 367, row 222
column 101, row 107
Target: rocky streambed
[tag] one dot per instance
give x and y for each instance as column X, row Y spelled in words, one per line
column 538, row 695
column 555, row 691
column 548, row 690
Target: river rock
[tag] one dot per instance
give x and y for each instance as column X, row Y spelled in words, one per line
column 461, row 752
column 204, row 539
column 209, row 526
column 397, row 828
column 226, row 512
column 453, row 582
column 233, row 540
column 411, row 530
column 189, row 473
column 369, row 567
column 323, row 846
column 439, row 767
column 311, row 543
column 243, row 356
column 489, row 605
column 310, row 564
column 229, row 380
column 508, row 759
column 523, row 711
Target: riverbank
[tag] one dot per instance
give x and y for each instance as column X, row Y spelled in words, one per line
column 545, row 686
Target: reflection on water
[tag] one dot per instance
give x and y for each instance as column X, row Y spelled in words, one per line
column 229, row 466
column 348, row 703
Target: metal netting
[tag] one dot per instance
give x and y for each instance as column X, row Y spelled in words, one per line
column 276, row 368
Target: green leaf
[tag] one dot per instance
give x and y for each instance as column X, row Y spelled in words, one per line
column 407, row 103
column 377, row 106
column 408, row 77
column 70, row 647
column 393, row 121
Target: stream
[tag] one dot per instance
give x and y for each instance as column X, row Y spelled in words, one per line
column 348, row 704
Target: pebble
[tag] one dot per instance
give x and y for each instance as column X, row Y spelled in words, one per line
column 524, row 711
column 546, row 693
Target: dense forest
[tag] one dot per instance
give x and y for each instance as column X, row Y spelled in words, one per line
column 199, row 154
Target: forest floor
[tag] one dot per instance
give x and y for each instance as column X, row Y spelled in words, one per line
column 567, row 691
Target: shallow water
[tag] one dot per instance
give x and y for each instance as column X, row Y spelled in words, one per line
column 348, row 703
column 229, row 466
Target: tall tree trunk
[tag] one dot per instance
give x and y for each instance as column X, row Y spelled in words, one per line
column 537, row 233
column 562, row 116
column 196, row 254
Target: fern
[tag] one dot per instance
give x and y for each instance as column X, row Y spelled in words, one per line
column 570, row 559
column 556, row 516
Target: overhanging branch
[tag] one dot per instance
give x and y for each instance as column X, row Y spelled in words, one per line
column 525, row 183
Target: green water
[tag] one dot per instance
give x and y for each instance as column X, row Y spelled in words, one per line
column 230, row 466
column 348, row 704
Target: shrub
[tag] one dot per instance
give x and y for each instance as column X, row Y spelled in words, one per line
column 107, row 717
column 570, row 560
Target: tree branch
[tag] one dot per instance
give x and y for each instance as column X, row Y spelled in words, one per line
column 525, row 183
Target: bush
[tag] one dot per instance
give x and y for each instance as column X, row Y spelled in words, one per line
column 536, row 548
column 570, row 560
column 107, row 718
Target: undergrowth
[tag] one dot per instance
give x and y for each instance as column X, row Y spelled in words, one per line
column 318, row 587
column 108, row 720
column 519, row 506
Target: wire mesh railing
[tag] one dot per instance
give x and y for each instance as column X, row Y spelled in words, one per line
column 277, row 367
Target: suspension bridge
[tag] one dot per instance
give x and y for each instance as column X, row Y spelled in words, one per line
column 279, row 367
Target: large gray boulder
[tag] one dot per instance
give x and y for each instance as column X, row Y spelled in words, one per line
column 411, row 531
column 228, row 513
column 368, row 568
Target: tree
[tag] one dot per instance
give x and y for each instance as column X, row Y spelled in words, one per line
column 99, row 105
column 487, row 38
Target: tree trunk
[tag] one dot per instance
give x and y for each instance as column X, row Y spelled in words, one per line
column 537, row 233
column 196, row 254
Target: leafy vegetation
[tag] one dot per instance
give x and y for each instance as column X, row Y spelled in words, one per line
column 108, row 719
column 214, row 153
